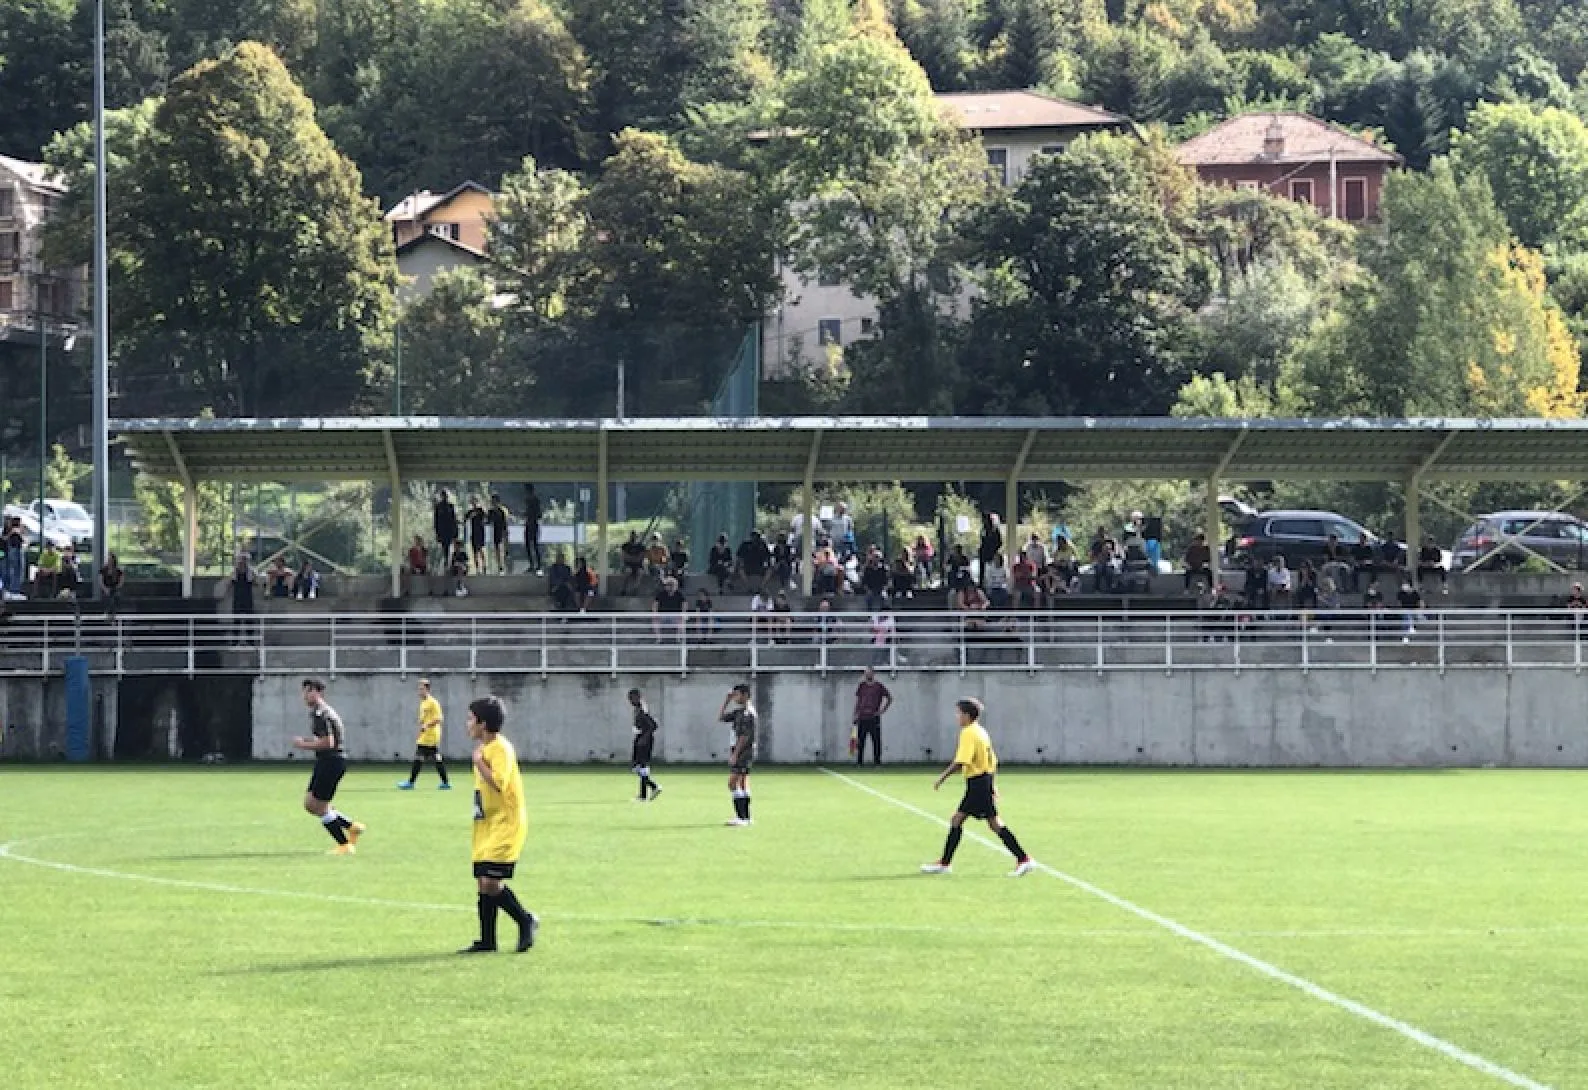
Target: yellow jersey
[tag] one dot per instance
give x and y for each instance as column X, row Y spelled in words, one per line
column 974, row 754
column 430, row 721
column 500, row 821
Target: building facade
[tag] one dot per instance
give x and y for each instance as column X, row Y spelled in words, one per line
column 816, row 318
column 33, row 295
column 1294, row 156
column 434, row 232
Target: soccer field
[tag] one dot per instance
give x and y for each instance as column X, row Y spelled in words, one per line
column 184, row 928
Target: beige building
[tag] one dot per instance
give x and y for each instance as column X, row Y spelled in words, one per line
column 30, row 292
column 816, row 319
column 438, row 231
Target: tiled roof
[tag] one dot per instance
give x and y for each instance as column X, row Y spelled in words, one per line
column 992, row 110
column 427, row 237
column 36, row 175
column 1245, row 140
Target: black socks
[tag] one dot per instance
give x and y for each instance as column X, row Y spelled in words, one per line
column 741, row 805
column 413, row 773
column 510, row 904
column 951, row 845
column 1012, row 844
column 336, row 825
column 487, row 906
column 441, row 769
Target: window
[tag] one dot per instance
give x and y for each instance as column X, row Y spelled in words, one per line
column 1301, row 190
column 7, row 295
column 867, row 327
column 1248, row 183
column 1356, row 199
column 828, row 279
column 1345, row 532
column 998, row 164
column 1296, row 528
column 1053, row 149
column 8, row 203
column 444, row 230
column 830, row 331
column 8, row 245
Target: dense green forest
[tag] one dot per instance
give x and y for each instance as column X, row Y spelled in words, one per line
column 256, row 142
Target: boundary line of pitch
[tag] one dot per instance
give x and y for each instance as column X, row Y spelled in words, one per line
column 1230, row 953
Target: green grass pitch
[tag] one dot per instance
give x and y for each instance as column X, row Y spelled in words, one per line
column 806, row 950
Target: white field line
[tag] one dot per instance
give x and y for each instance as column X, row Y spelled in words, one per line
column 1224, row 950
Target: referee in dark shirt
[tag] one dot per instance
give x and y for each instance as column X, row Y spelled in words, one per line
column 645, row 728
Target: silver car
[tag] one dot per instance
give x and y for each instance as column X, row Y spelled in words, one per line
column 1512, row 536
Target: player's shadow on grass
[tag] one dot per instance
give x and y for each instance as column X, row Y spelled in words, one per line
column 673, row 828
column 331, row 965
column 211, row 857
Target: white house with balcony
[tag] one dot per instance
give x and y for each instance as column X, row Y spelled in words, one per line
column 32, row 294
column 815, row 318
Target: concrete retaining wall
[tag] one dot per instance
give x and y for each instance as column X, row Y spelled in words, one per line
column 1252, row 719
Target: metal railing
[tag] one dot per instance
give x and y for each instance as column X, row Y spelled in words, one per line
column 614, row 643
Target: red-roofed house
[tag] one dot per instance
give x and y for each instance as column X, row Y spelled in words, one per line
column 1295, row 156
column 437, row 231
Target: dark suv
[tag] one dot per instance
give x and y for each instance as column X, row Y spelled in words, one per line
column 1297, row 535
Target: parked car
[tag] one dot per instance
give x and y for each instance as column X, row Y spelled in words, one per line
column 1510, row 534
column 1297, row 535
column 30, row 527
column 68, row 518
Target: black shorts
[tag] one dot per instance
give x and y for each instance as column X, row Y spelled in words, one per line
column 424, row 751
column 641, row 757
column 742, row 767
column 328, row 772
column 500, row 871
column 978, row 801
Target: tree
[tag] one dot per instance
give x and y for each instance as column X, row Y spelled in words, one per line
column 1090, row 292
column 937, row 34
column 1536, row 163
column 249, row 270
column 418, row 118
column 457, row 353
column 1456, row 320
column 43, row 73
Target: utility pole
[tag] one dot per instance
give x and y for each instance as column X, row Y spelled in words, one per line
column 101, row 315
column 622, row 489
column 44, row 390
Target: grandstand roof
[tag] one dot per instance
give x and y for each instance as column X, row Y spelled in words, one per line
column 782, row 449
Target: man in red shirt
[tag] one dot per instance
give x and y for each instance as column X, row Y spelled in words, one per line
column 872, row 701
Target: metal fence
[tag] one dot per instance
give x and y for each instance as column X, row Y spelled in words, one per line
column 740, row 643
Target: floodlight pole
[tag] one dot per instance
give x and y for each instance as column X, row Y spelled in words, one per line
column 101, row 316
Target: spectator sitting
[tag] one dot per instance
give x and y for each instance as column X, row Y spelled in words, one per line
column 991, row 546
column 1306, row 586
column 704, row 610
column 418, row 557
column 110, row 579
column 755, row 560
column 782, row 618
column 901, row 580
column 71, row 576
column 306, row 586
column 1575, row 599
column 458, row 569
column 874, row 580
column 826, row 564
column 278, row 579
column 1431, row 561
column 1063, row 560
column 633, row 551
column 1106, row 567
column 1025, row 578
column 657, row 558
column 719, row 564
column 760, row 624
column 1036, row 552
column 1094, row 551
column 1328, row 595
column 957, row 568
column 1053, row 582
column 996, row 579
column 1409, row 599
column 1279, row 583
column 972, row 603
column 783, row 563
column 678, row 561
column 585, row 584
column 1254, row 591
column 923, row 555
column 1334, row 554
column 559, row 582
column 1199, row 561
column 1373, row 598
column 47, row 576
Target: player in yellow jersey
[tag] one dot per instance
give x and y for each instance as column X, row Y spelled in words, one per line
column 429, row 744
column 974, row 757
column 500, row 823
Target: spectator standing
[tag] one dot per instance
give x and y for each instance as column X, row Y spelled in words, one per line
column 1410, row 599
column 872, row 701
column 71, row 575
column 1575, row 599
column 477, row 521
column 632, row 552
column 458, row 569
column 782, row 618
column 47, row 579
column 1366, row 562
column 957, row 568
column 1431, row 561
column 445, row 519
column 719, row 563
column 678, row 561
column 1337, row 563
column 842, row 530
column 1306, row 586
column 783, row 554
column 111, row 578
column 657, row 558
column 585, row 584
column 755, row 560
column 242, row 580
column 532, row 514
column 705, row 618
column 902, row 580
column 16, row 560
column 995, row 578
column 1373, row 598
column 1279, row 583
column 498, row 519
column 991, row 547
column 667, row 609
column 923, row 561
column 874, row 580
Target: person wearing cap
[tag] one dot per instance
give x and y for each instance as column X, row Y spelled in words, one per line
column 739, row 711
